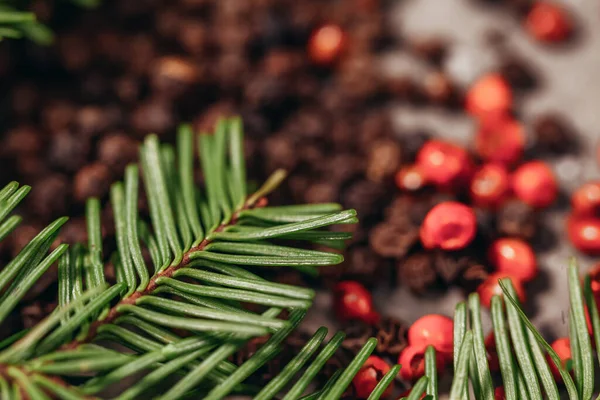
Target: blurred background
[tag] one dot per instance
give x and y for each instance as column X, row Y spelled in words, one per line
column 343, row 94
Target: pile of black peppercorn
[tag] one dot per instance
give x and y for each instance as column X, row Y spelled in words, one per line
column 75, row 112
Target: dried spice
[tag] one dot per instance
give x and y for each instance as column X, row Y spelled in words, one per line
column 393, row 240
column 553, row 134
column 417, row 272
column 517, row 219
column 357, row 334
column 451, row 265
column 391, row 334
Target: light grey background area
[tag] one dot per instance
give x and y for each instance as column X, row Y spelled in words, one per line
column 570, row 86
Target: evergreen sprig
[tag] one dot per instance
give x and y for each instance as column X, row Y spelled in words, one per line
column 15, row 24
column 177, row 311
column 185, row 269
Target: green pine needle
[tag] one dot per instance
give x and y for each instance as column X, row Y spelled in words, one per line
column 182, row 312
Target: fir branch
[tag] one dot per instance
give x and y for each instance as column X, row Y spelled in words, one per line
column 181, row 313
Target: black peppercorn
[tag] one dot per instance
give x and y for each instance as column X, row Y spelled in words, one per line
column 553, row 134
column 417, row 272
column 68, row 152
column 393, row 240
column 153, row 116
column 116, row 151
column 92, row 181
column 517, row 219
column 49, row 196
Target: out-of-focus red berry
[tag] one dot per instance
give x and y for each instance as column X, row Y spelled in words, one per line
column 562, row 347
column 433, row 329
column 354, row 302
column 411, row 178
column 491, row 94
column 594, row 274
column 499, row 393
column 443, row 163
column 490, row 185
column 412, row 360
column 548, row 22
column 500, row 139
column 584, row 234
column 369, row 376
column 586, row 200
column 513, row 257
column 492, row 354
column 491, row 287
column 326, row 44
column 449, row 226
column 534, row 183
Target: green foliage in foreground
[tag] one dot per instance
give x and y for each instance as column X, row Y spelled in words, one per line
column 184, row 276
column 16, row 24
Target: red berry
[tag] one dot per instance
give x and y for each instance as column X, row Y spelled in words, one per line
column 595, row 282
column 500, row 139
column 443, row 163
column 369, row 376
column 491, row 94
column 534, row 183
column 562, row 347
column 499, row 393
column 433, row 329
column 411, row 178
column 586, row 200
column 491, row 287
column 353, row 301
column 584, row 234
column 492, row 354
column 449, row 226
column 490, row 185
column 326, row 44
column 548, row 22
column 513, row 257
column 412, row 360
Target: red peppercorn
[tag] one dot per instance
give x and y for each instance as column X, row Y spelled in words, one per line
column 586, row 200
column 491, row 287
column 433, row 329
column 500, row 139
column 326, row 44
column 369, row 376
column 594, row 274
column 411, row 178
column 490, row 185
column 513, row 257
column 499, row 393
column 492, row 353
column 584, row 234
column 491, row 94
column 449, row 226
column 412, row 360
column 562, row 347
column 548, row 22
column 534, row 183
column 353, row 301
column 443, row 163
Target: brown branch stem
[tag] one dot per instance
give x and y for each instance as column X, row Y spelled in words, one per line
column 113, row 314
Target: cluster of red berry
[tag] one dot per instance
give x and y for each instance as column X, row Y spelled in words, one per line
column 491, row 176
column 499, row 144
